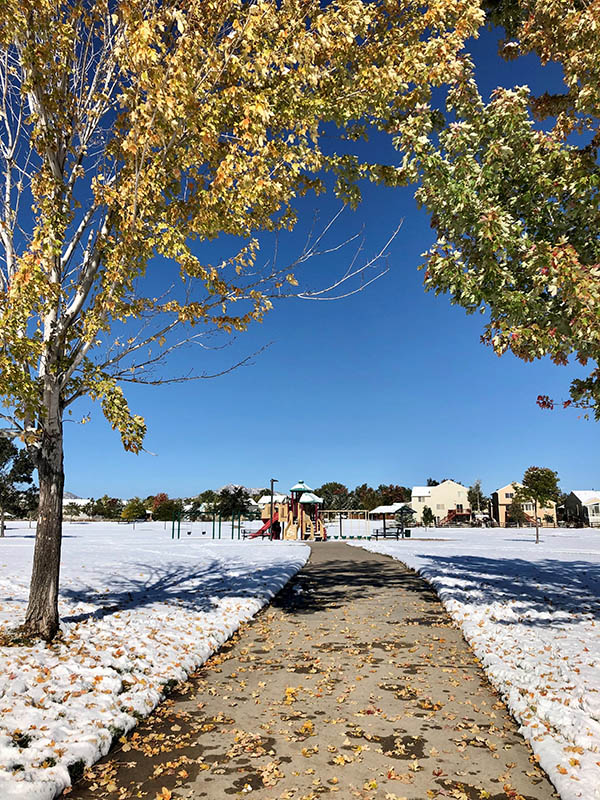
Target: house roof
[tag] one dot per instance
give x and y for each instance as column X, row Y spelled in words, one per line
column 508, row 486
column 587, row 496
column 266, row 499
column 421, row 491
column 454, row 483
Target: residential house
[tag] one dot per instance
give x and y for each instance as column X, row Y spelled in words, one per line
column 448, row 501
column 582, row 508
column 502, row 499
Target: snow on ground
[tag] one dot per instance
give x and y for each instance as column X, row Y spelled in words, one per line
column 531, row 614
column 139, row 611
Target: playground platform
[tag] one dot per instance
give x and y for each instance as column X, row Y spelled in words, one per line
column 354, row 683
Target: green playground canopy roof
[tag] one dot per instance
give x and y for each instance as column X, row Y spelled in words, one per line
column 300, row 487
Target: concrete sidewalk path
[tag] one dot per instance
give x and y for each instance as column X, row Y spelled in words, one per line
column 354, row 683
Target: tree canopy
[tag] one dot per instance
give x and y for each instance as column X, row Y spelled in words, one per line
column 232, row 502
column 135, row 130
column 512, row 186
column 540, row 487
column 16, row 471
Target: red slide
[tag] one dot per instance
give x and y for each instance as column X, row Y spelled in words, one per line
column 265, row 527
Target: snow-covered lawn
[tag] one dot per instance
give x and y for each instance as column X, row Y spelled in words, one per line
column 139, row 611
column 531, row 613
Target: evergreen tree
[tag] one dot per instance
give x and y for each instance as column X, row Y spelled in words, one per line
column 72, row 510
column 427, row 516
column 365, row 497
column 515, row 513
column 232, row 502
column 16, row 469
column 108, row 507
column 335, row 495
column 477, row 500
column 392, row 493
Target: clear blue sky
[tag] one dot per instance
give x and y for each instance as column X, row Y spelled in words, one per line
column 388, row 386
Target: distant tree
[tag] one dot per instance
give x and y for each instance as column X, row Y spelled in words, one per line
column 477, row 500
column 392, row 493
column 158, row 501
column 88, row 508
column 515, row 513
column 207, row 496
column 26, row 503
column 561, row 513
column 164, row 508
column 427, row 516
column 108, row 507
column 432, row 482
column 203, row 503
column 134, row 509
column 365, row 497
column 232, row 501
column 334, row 494
column 72, row 510
column 16, row 469
column 540, row 487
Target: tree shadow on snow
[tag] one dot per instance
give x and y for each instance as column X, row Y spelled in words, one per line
column 331, row 580
column 540, row 593
column 195, row 588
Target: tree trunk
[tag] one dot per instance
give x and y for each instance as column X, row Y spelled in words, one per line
column 1, row 523
column 41, row 618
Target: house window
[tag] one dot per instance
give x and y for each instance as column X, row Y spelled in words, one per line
column 509, row 495
column 528, row 506
column 440, row 507
column 459, row 507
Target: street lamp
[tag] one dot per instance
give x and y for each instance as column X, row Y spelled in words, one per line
column 273, row 480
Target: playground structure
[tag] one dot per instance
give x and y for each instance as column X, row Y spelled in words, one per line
column 300, row 518
column 299, row 515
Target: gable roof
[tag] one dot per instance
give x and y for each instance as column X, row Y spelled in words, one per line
column 586, row 496
column 454, row 483
column 421, row 491
column 393, row 509
column 266, row 499
column 513, row 485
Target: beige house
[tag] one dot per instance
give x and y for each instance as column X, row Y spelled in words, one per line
column 502, row 498
column 448, row 501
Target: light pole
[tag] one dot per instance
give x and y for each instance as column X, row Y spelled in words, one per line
column 273, row 480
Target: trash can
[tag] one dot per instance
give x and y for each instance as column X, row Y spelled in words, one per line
column 406, row 534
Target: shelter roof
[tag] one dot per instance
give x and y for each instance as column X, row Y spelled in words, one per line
column 393, row 509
